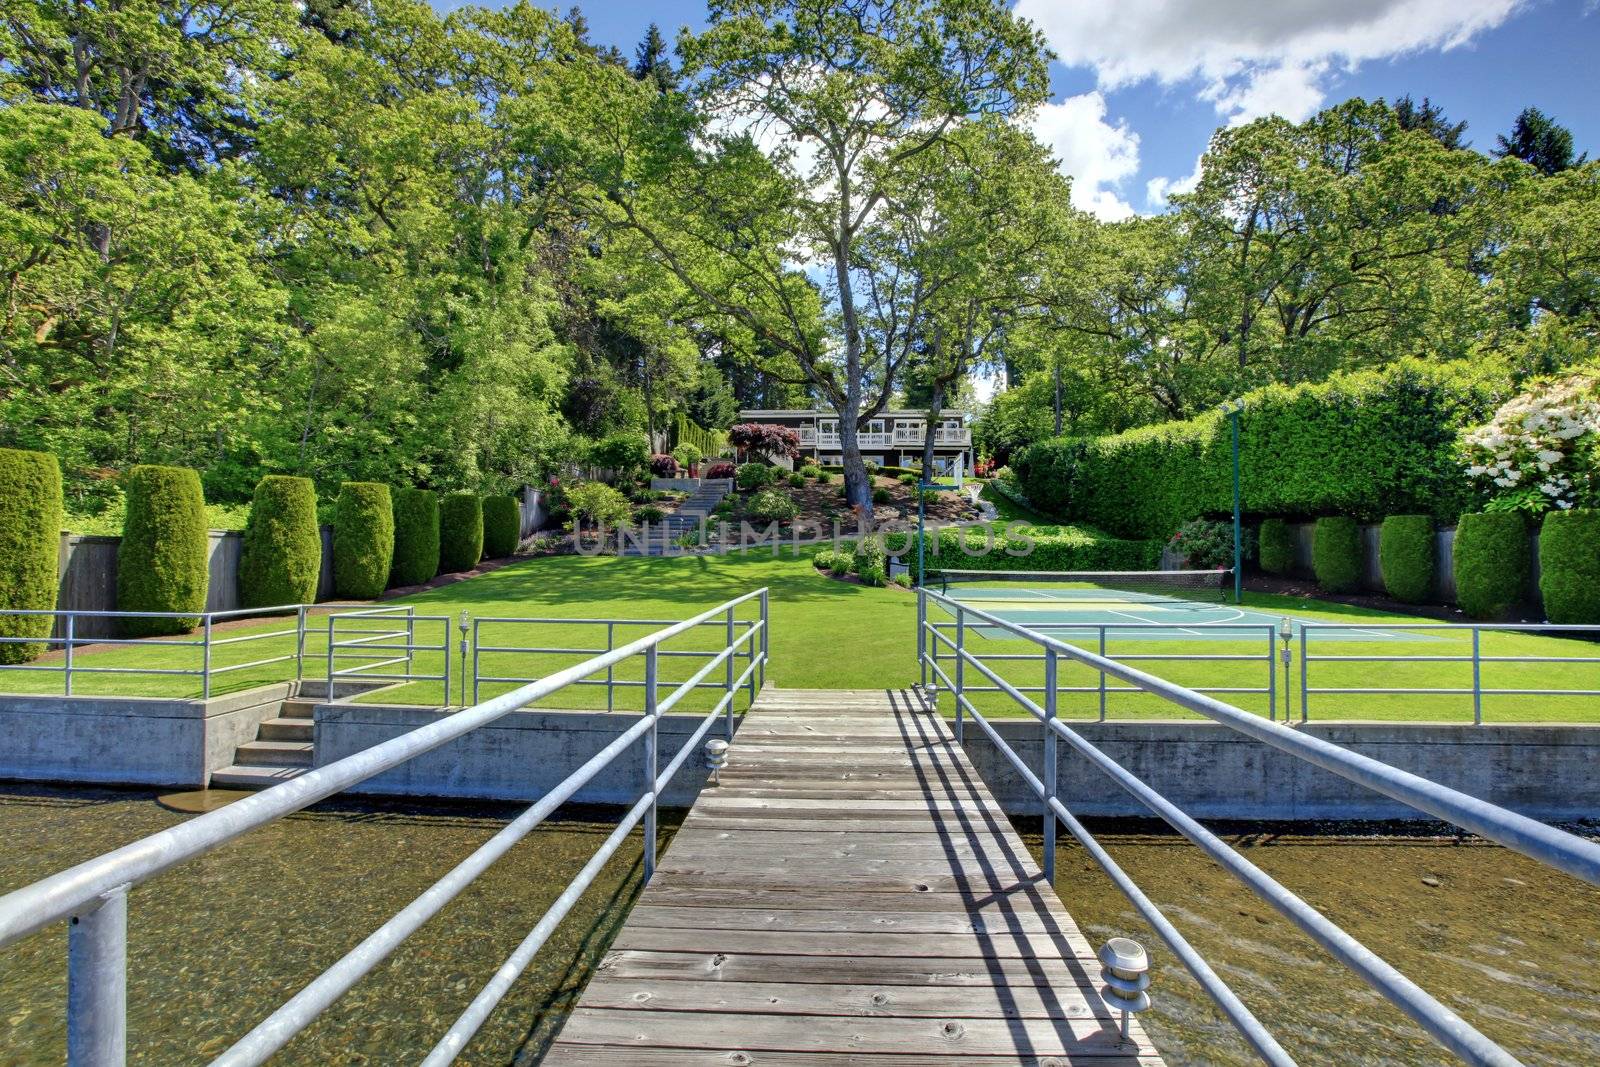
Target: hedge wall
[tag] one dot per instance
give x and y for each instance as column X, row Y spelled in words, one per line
column 281, row 554
column 460, row 532
column 1406, row 557
column 1569, row 566
column 1043, row 548
column 162, row 559
column 1276, row 542
column 502, row 527
column 1490, row 562
column 30, row 541
column 416, row 537
column 1364, row 444
column 1336, row 553
column 363, row 539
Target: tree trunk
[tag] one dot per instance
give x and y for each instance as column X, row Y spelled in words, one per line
column 935, row 403
column 858, row 485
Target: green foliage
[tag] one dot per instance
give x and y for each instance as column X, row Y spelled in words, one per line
column 869, row 553
column 502, row 526
column 797, row 480
column 598, row 504
column 908, row 478
column 416, row 537
column 881, row 495
column 840, row 565
column 30, row 541
column 625, row 453
column 823, row 477
column 461, row 530
column 1569, row 566
column 755, row 475
column 1021, row 547
column 872, row 574
column 811, row 470
column 903, row 579
column 687, row 455
column 1491, row 562
column 649, row 513
column 1406, row 557
column 1207, row 543
column 280, row 558
column 162, row 558
column 1276, row 546
column 1364, row 444
column 772, row 505
column 1336, row 557
column 363, row 540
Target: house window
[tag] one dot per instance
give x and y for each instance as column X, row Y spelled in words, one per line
column 875, row 426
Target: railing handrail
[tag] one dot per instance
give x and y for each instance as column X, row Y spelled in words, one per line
column 52, row 899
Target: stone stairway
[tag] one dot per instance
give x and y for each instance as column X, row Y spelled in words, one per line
column 686, row 519
column 282, row 749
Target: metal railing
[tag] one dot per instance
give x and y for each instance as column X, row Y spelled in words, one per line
column 1543, row 843
column 381, row 638
column 1476, row 657
column 93, row 896
column 940, row 637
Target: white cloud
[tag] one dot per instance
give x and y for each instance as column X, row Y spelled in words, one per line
column 1157, row 190
column 1253, row 57
column 1098, row 155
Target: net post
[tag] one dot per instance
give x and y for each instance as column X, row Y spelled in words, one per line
column 1050, row 766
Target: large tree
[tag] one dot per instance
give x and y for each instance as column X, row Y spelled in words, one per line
column 1539, row 141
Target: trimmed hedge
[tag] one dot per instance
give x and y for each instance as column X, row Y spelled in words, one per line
column 31, row 516
column 1406, row 557
column 162, row 559
column 363, row 540
column 502, row 527
column 416, row 536
column 1490, row 562
column 1336, row 553
column 1569, row 566
column 1037, row 548
column 460, row 532
column 1364, row 444
column 1276, row 544
column 280, row 558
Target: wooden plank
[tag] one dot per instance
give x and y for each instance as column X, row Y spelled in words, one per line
column 838, row 920
column 990, row 945
column 614, row 1055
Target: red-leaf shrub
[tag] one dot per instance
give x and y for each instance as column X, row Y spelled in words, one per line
column 766, row 438
column 663, row 466
column 723, row 469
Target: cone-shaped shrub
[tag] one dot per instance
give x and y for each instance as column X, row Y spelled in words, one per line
column 460, row 532
column 162, row 560
column 30, row 541
column 1569, row 566
column 1406, row 556
column 1277, row 546
column 1336, row 553
column 1490, row 561
column 363, row 539
column 416, row 537
column 502, row 526
column 281, row 557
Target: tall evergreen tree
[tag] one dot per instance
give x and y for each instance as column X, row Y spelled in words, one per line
column 1430, row 119
column 652, row 63
column 1540, row 141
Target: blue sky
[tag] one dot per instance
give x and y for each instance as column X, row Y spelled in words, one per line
column 1143, row 83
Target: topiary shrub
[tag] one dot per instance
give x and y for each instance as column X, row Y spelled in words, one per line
column 502, row 526
column 719, row 470
column 460, row 532
column 1276, row 546
column 1490, row 562
column 30, row 542
column 1569, row 566
column 363, row 539
column 1405, row 556
column 281, row 554
column 162, row 560
column 416, row 537
column 1336, row 553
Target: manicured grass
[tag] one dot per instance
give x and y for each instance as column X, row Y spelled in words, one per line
column 829, row 634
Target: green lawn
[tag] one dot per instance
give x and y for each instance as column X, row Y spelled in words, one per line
column 831, row 634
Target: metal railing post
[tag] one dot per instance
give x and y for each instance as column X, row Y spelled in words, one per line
column 727, row 679
column 300, row 643
column 766, row 642
column 1272, row 681
column 332, row 619
column 205, row 661
column 1049, row 766
column 411, row 647
column 1305, row 685
column 1477, row 677
column 961, row 663
column 651, row 768
column 97, row 983
column 922, row 636
column 475, row 671
column 611, row 679
column 72, row 618
column 1102, row 676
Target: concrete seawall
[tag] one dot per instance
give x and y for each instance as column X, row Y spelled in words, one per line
column 1549, row 772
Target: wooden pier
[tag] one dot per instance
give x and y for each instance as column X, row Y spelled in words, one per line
column 850, row 893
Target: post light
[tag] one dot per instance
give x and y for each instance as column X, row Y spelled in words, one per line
column 1286, row 635
column 1125, row 969
column 1233, row 409
column 464, row 624
column 716, row 758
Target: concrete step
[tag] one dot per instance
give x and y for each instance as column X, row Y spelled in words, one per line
column 297, row 709
column 243, row 777
column 295, row 729
column 274, row 753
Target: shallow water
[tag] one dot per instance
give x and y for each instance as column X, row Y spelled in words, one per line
column 1511, row 946
column 219, row 942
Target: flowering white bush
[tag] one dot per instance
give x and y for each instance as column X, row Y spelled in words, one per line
column 1541, row 448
